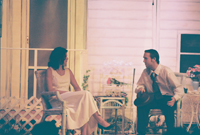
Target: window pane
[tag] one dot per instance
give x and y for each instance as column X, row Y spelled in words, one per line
column 48, row 23
column 43, row 57
column 30, row 82
column 188, row 61
column 190, row 43
column 31, row 58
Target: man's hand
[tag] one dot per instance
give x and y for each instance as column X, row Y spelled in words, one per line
column 141, row 90
column 171, row 102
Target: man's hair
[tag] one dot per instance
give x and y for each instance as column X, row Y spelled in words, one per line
column 153, row 54
column 57, row 58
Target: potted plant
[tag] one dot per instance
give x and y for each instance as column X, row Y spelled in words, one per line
column 194, row 74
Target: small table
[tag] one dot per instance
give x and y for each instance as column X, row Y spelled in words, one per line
column 112, row 103
column 194, row 103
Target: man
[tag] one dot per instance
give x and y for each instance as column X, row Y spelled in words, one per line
column 160, row 81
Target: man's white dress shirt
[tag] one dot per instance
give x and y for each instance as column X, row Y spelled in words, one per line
column 166, row 80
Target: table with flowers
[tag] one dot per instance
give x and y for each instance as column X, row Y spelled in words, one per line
column 190, row 102
column 190, row 109
column 114, row 98
column 105, row 102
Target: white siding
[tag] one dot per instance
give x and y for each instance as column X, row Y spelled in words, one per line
column 118, row 30
column 175, row 16
column 122, row 29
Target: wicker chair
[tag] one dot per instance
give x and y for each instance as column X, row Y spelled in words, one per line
column 177, row 113
column 57, row 107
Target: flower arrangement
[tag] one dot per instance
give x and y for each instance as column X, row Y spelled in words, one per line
column 111, row 81
column 117, row 93
column 194, row 73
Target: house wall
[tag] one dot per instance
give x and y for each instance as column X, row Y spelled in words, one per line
column 118, row 30
column 176, row 17
column 121, row 30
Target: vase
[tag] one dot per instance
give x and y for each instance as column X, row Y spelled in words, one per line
column 195, row 85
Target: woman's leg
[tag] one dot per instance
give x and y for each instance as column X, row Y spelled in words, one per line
column 100, row 120
column 84, row 129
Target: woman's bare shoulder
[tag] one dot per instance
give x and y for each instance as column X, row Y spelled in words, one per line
column 68, row 70
column 49, row 70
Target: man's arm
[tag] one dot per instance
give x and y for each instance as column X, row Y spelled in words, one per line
column 175, row 84
column 141, row 84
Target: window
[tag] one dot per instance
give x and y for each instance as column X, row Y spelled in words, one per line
column 189, row 51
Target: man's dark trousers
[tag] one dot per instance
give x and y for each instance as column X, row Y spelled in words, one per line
column 143, row 112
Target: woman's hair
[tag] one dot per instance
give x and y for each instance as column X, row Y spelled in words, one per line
column 153, row 54
column 57, row 57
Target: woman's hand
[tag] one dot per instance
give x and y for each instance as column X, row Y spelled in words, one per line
column 73, row 81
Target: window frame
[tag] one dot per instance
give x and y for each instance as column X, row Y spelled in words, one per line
column 179, row 53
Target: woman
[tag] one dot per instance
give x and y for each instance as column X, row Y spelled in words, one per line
column 82, row 111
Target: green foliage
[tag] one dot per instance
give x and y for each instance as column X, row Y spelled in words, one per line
column 124, row 94
column 85, row 80
column 126, row 100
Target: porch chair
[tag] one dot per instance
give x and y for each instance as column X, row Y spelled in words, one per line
column 57, row 107
column 177, row 113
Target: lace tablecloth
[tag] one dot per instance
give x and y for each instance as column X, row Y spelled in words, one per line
column 190, row 108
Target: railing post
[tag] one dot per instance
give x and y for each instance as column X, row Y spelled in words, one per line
column 35, row 69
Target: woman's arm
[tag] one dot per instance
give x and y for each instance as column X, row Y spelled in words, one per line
column 49, row 81
column 73, row 81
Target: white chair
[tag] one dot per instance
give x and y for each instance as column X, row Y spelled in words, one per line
column 182, row 78
column 177, row 113
column 58, row 107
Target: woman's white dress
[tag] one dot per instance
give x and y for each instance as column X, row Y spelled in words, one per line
column 81, row 104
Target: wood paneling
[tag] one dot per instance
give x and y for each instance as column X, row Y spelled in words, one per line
column 101, row 60
column 118, row 33
column 193, row 1
column 176, row 16
column 120, row 23
column 116, row 51
column 168, row 34
column 116, row 14
column 118, row 30
column 175, row 5
column 180, row 25
column 121, row 41
column 120, row 5
column 123, row 29
column 168, row 43
column 180, row 16
column 168, row 52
